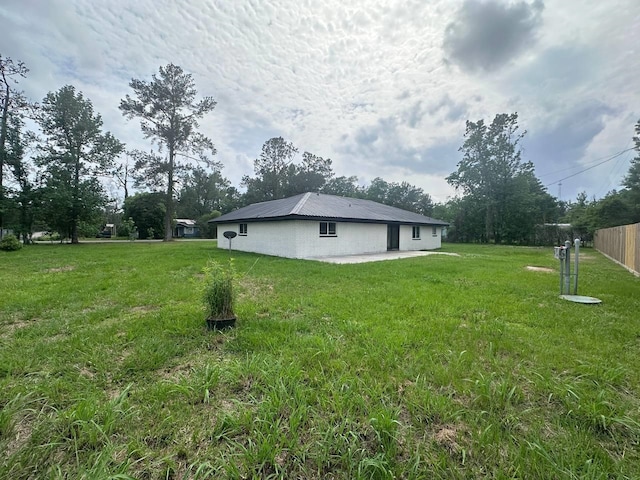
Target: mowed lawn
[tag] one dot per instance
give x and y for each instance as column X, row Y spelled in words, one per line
column 432, row 367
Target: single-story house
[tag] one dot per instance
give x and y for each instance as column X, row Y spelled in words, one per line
column 313, row 225
column 185, row 228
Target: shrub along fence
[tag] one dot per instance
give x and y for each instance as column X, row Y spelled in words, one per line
column 620, row 244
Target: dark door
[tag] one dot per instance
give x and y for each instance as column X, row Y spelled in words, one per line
column 393, row 237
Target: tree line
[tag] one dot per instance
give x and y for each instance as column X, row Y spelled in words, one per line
column 502, row 201
column 51, row 180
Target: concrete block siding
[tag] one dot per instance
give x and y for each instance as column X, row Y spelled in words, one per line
column 302, row 239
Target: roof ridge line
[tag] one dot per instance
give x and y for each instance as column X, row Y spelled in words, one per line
column 300, row 203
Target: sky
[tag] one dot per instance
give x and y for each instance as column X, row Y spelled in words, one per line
column 382, row 87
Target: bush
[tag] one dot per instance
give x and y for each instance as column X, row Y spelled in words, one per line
column 10, row 243
column 217, row 293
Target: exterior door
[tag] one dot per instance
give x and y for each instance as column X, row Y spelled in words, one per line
column 393, row 237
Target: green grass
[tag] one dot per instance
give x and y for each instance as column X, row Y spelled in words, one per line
column 432, row 367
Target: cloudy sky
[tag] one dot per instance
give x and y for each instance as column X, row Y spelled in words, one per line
column 382, row 87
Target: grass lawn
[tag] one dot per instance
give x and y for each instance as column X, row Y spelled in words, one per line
column 431, row 367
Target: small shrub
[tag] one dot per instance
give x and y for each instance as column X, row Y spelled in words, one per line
column 10, row 243
column 218, row 290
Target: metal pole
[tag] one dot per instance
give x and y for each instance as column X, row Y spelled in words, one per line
column 567, row 267
column 561, row 275
column 576, row 244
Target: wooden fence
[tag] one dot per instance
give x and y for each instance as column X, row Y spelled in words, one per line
column 620, row 244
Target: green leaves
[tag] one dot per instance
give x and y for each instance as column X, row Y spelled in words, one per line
column 74, row 152
column 503, row 200
column 168, row 114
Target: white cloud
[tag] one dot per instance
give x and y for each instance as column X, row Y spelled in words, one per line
column 364, row 82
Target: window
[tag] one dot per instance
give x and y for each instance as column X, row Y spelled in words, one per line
column 328, row 229
column 434, row 231
column 415, row 234
column 243, row 229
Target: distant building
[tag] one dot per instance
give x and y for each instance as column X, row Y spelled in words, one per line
column 312, row 225
column 185, row 228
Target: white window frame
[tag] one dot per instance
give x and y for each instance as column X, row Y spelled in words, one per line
column 327, row 229
column 243, row 231
column 434, row 231
column 415, row 232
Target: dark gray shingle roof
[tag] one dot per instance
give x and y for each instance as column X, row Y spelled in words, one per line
column 314, row 206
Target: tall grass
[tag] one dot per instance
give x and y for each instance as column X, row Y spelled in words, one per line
column 432, row 367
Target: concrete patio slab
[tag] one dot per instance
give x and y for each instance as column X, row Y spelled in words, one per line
column 379, row 257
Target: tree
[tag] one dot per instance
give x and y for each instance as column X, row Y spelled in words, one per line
column 311, row 175
column 632, row 179
column 277, row 175
column 204, row 192
column 169, row 115
column 24, row 198
column 75, row 152
column 147, row 210
column 342, row 186
column 401, row 195
column 12, row 102
column 271, row 180
column 504, row 188
column 122, row 174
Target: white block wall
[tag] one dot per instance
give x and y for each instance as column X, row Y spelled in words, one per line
column 427, row 240
column 301, row 238
column 351, row 239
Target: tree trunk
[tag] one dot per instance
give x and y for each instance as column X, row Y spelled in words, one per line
column 76, row 200
column 168, row 216
column 3, row 154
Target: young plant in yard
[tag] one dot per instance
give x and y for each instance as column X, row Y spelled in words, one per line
column 218, row 295
column 10, row 243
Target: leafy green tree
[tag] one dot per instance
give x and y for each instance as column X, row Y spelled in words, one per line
column 169, row 114
column 24, row 201
column 271, row 171
column 208, row 230
column 342, row 186
column 277, row 175
column 613, row 210
column 75, row 152
column 311, row 175
column 147, row 210
column 203, row 192
column 632, row 179
column 402, row 195
column 503, row 188
column 12, row 103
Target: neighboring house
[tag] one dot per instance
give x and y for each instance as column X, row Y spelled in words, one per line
column 313, row 225
column 185, row 228
column 108, row 231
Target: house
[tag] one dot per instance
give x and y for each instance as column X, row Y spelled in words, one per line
column 108, row 231
column 313, row 225
column 185, row 228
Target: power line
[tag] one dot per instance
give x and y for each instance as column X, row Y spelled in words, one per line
column 571, row 168
column 591, row 167
column 614, row 173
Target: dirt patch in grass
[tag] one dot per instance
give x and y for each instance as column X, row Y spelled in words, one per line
column 66, row 268
column 176, row 373
column 532, row 268
column 22, row 434
column 142, row 309
column 85, row 372
column 253, row 288
column 12, row 327
column 446, row 437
